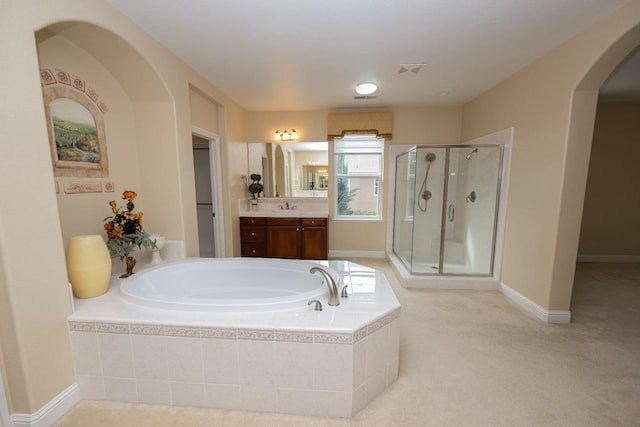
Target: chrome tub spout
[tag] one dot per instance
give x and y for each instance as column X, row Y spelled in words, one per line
column 331, row 284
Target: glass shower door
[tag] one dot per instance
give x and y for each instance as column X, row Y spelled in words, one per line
column 472, row 193
column 403, row 207
column 428, row 198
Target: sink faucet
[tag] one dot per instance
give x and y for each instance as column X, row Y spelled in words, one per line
column 287, row 205
column 331, row 284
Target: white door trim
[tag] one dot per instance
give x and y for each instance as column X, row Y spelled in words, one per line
column 216, row 187
column 4, row 406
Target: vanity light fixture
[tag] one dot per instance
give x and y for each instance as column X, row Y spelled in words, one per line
column 366, row 88
column 285, row 136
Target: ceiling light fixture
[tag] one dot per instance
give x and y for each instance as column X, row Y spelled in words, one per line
column 366, row 88
column 286, row 136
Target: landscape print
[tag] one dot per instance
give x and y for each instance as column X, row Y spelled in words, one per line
column 74, row 130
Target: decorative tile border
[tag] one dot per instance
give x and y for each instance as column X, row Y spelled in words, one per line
column 182, row 331
column 235, row 334
column 256, row 334
column 294, row 336
column 219, row 333
column 360, row 334
column 329, row 338
column 81, row 187
column 78, row 187
column 113, row 328
column 82, row 326
column 78, row 83
column 63, row 77
column 147, row 329
column 48, row 77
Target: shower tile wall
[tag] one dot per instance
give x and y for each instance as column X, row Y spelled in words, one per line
column 295, row 372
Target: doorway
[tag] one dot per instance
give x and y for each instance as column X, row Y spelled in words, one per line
column 4, row 409
column 206, row 166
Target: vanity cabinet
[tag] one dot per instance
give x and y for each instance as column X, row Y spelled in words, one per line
column 296, row 238
column 253, row 237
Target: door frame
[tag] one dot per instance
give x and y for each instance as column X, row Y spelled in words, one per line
column 216, row 187
column 5, row 420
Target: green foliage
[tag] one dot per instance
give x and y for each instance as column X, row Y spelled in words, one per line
column 344, row 197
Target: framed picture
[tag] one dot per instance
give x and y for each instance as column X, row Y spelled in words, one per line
column 76, row 134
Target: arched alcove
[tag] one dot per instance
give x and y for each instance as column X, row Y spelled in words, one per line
column 139, row 123
column 580, row 135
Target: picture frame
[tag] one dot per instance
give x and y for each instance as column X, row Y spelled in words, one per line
column 77, row 136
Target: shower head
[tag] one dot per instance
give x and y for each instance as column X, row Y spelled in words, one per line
column 430, row 157
column 470, row 155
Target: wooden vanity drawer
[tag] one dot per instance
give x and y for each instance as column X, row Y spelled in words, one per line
column 253, row 234
column 254, row 250
column 314, row 222
column 259, row 221
column 283, row 221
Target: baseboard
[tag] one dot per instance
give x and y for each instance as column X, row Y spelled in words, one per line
column 51, row 412
column 357, row 254
column 547, row 316
column 609, row 258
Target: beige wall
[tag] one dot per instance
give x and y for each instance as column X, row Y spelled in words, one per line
column 552, row 128
column 204, row 111
column 151, row 136
column 611, row 205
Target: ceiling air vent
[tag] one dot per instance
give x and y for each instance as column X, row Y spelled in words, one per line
column 364, row 97
column 409, row 69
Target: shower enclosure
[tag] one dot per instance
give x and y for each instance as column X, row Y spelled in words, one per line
column 446, row 209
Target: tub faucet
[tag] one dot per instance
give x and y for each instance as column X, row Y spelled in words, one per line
column 331, row 284
column 344, row 293
column 317, row 304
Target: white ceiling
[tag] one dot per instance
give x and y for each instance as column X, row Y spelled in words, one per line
column 279, row 55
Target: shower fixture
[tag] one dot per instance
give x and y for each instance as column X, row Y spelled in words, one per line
column 471, row 197
column 470, row 155
column 424, row 193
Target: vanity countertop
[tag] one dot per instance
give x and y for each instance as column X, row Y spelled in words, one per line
column 295, row 213
column 276, row 208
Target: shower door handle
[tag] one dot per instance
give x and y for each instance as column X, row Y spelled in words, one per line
column 452, row 212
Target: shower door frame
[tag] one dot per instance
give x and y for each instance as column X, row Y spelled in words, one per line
column 445, row 197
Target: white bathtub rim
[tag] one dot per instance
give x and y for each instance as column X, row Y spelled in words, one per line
column 130, row 291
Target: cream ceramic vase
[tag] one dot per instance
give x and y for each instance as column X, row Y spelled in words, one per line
column 88, row 265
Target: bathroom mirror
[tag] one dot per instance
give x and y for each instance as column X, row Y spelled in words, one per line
column 294, row 169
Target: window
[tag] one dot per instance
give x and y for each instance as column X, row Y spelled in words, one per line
column 358, row 177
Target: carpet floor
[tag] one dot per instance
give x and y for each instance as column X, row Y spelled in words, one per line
column 470, row 358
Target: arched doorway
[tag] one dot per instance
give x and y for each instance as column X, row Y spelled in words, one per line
column 580, row 135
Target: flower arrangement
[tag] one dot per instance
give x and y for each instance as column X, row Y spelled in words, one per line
column 124, row 228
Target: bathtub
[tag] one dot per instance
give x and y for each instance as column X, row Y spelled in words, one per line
column 142, row 342
column 231, row 284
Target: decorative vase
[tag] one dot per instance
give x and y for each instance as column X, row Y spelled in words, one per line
column 130, row 263
column 155, row 252
column 88, row 265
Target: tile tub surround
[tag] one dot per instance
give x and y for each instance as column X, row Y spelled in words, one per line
column 299, row 361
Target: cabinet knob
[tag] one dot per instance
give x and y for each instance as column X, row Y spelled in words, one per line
column 253, row 234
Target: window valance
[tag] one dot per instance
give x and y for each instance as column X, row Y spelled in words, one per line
column 341, row 124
